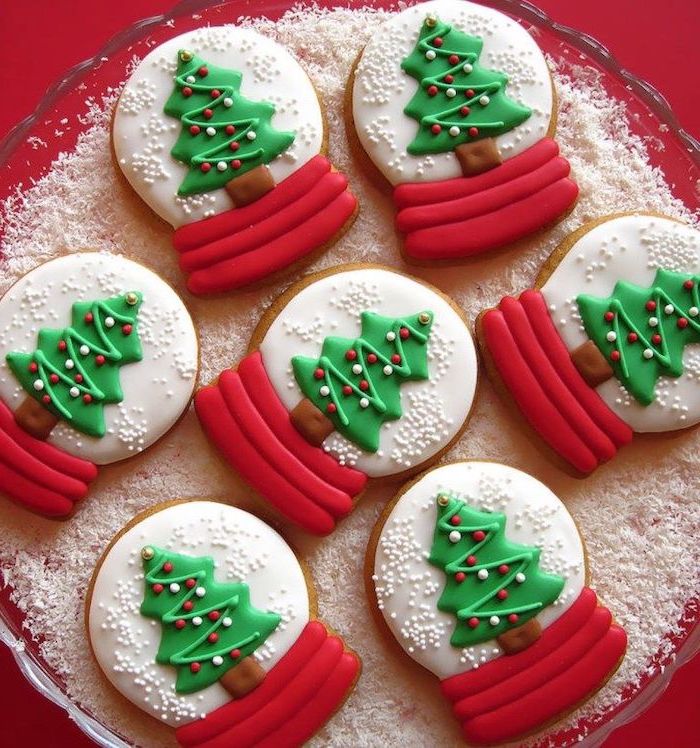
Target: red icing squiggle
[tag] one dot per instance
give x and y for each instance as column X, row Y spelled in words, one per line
column 465, row 216
column 243, row 245
column 535, row 366
column 38, row 475
column 259, row 447
column 296, row 698
column 515, row 694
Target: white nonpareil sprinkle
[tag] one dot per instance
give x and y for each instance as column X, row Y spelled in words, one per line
column 83, row 204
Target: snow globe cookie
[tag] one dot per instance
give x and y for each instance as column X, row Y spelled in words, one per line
column 455, row 106
column 608, row 341
column 354, row 374
column 99, row 360
column 506, row 618
column 220, row 132
column 201, row 615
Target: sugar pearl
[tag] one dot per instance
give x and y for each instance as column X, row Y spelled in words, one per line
column 648, row 353
column 251, row 135
column 74, row 392
column 450, row 93
column 200, row 592
column 190, row 79
column 226, row 622
column 454, row 131
column 520, row 577
column 430, row 54
column 84, row 350
column 357, row 369
column 109, row 321
column 228, row 102
column 693, row 311
column 455, row 536
column 611, row 336
column 653, row 322
column 467, row 67
column 38, row 385
column 217, row 660
column 669, row 308
column 482, row 574
column 211, row 131
column 364, row 402
column 197, row 621
column 69, row 363
column 391, row 336
column 387, row 369
column 174, row 587
column 325, row 391
column 222, row 166
column 494, row 620
column 484, row 100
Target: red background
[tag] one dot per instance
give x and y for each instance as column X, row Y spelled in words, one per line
column 41, row 39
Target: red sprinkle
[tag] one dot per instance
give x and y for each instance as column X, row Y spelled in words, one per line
column 54, row 378
column 89, row 318
column 503, row 569
column 46, row 399
column 208, row 113
column 62, row 345
column 465, row 111
column 195, row 129
column 437, row 41
column 453, row 59
column 404, row 332
column 632, row 337
column 651, row 305
column 351, row 354
column 473, row 131
column 478, row 535
column 432, row 90
column 455, row 519
column 502, row 594
column 688, row 284
column 214, row 615
column 436, row 129
column 236, row 163
column 449, row 78
column 372, row 358
column 187, row 605
column 100, row 359
column 512, row 618
column 203, row 71
column 473, row 623
column 33, row 367
column 180, row 623
column 195, row 667
column 230, row 129
column 460, row 576
column 396, row 359
column 609, row 316
column 347, row 390
column 187, row 91
column 615, row 356
column 87, row 398
column 234, row 145
column 215, row 93
column 682, row 323
column 235, row 654
column 167, row 567
column 213, row 637
column 190, row 583
column 318, row 374
column 205, row 167
column 469, row 93
column 656, row 338
column 158, row 588
column 78, row 378
column 364, row 384
column 330, row 408
column 126, row 329
column 471, row 560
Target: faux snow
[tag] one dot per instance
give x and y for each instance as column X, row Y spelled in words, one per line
column 638, row 515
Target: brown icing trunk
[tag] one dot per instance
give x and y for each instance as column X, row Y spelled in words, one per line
column 35, row 419
column 250, row 186
column 591, row 364
column 478, row 157
column 243, row 678
column 311, row 423
column 521, row 637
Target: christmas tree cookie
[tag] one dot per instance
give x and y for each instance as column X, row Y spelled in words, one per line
column 506, row 619
column 454, row 105
column 354, row 374
column 200, row 614
column 608, row 341
column 221, row 133
column 99, row 360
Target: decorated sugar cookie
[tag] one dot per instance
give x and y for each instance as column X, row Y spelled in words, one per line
column 356, row 373
column 608, row 342
column 220, row 132
column 98, row 360
column 200, row 614
column 454, row 104
column 478, row 571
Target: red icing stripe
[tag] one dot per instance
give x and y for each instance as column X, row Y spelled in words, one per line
column 275, row 225
column 276, row 254
column 537, row 360
column 494, row 672
column 595, row 628
column 270, row 407
column 425, row 193
column 265, row 443
column 495, row 229
column 37, row 475
column 536, row 309
column 527, row 392
column 195, row 235
column 486, row 201
column 558, row 695
column 225, row 717
column 225, row 432
column 55, row 458
column 318, row 709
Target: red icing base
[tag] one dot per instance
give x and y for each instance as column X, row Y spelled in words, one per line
column 516, row 694
column 536, row 367
column 296, row 698
column 37, row 475
column 247, row 421
column 243, row 245
column 466, row 216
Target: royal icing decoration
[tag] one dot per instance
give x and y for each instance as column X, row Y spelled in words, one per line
column 220, row 132
column 479, row 573
column 364, row 373
column 199, row 614
column 456, row 110
column 609, row 344
column 103, row 345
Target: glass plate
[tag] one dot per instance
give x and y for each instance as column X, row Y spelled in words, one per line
column 30, row 148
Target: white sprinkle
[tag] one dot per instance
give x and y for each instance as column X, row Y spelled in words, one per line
column 226, row 622
column 217, row 660
column 494, row 620
column 222, row 166
column 174, row 587
column 357, row 369
column 653, row 321
column 200, row 592
column 251, row 135
column 430, row 54
column 669, row 309
column 84, row 350
column 74, row 392
column 325, row 391
column 484, row 100
column 450, row 93
column 69, row 364
column 197, row 621
column 455, row 536
column 228, row 102
column 190, row 79
column 693, row 311
column 109, row 321
column 648, row 353
column 611, row 336
column 520, row 577
column 388, row 369
column 391, row 336
column 483, row 574
column 38, row 384
column 364, row 402
column 210, row 131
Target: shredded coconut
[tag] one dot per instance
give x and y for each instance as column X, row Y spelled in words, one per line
column 638, row 516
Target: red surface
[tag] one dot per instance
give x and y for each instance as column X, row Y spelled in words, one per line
column 658, row 45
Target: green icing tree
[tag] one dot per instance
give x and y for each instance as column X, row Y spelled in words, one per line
column 355, row 383
column 642, row 331
column 493, row 585
column 207, row 627
column 224, row 135
column 74, row 372
column 458, row 101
